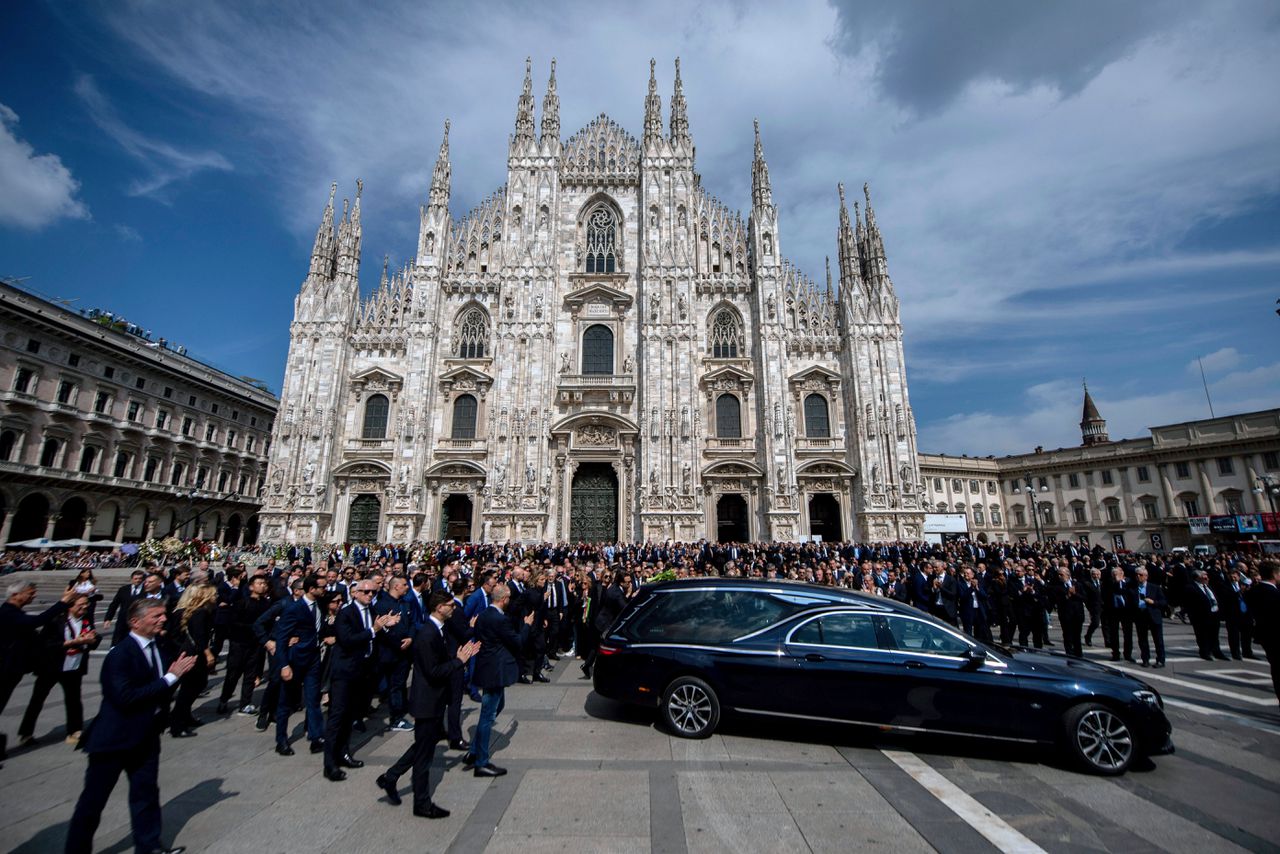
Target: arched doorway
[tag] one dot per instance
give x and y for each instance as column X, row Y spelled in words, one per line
column 70, row 524
column 455, row 523
column 593, row 505
column 824, row 517
column 366, row 512
column 29, row 521
column 251, row 531
column 731, row 519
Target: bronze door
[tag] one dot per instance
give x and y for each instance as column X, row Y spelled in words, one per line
column 365, row 513
column 593, row 505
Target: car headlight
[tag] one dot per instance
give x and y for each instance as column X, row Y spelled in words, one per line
column 1150, row 698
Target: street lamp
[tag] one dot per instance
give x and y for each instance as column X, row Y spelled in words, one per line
column 1269, row 484
column 1035, row 506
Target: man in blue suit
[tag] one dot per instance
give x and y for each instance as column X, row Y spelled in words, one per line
column 297, row 638
column 496, row 667
column 125, row 736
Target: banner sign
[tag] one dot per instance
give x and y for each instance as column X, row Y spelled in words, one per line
column 1249, row 524
column 1271, row 522
column 1199, row 525
column 1224, row 525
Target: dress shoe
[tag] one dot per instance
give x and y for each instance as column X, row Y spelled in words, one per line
column 262, row 724
column 1146, row 664
column 1207, row 657
column 463, row 744
column 1129, row 658
column 222, row 709
column 468, row 759
column 317, row 746
column 193, row 722
column 540, row 678
column 182, row 733
column 177, row 849
column 489, row 770
column 389, row 786
column 1220, row 657
column 1159, row 664
column 525, row 680
column 1236, row 657
column 1115, row 658
column 26, row 740
column 360, row 726
column 586, row 672
column 346, row 760
column 336, row 775
column 285, row 750
column 475, row 696
column 432, row 811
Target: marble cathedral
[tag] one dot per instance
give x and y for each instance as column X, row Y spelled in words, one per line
column 600, row 350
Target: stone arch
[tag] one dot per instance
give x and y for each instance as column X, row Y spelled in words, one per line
column 31, row 517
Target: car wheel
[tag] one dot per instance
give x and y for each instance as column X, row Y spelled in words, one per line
column 1099, row 739
column 690, row 708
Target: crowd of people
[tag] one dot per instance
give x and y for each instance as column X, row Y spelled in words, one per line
column 393, row 638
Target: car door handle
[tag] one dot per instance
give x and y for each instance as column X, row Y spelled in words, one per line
column 915, row 665
column 813, row 656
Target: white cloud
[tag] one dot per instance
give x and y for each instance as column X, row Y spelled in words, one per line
column 164, row 163
column 35, row 189
column 1051, row 411
column 1215, row 362
column 128, row 233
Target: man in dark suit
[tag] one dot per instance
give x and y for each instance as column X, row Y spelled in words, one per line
column 297, row 637
column 119, row 606
column 1028, row 600
column 434, row 667
column 1091, row 589
column 1068, row 599
column 1263, row 601
column 971, row 604
column 125, row 735
column 1206, row 615
column 457, row 631
column 394, row 659
column 19, row 643
column 351, row 675
column 496, row 667
column 1148, row 616
column 1117, row 615
column 1234, row 615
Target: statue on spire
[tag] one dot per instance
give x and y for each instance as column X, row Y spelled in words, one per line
column 652, row 108
column 551, row 110
column 679, row 112
column 439, row 195
column 524, row 108
column 761, row 194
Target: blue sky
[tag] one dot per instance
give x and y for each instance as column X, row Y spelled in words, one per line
column 1065, row 189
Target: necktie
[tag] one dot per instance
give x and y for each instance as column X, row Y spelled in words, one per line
column 315, row 617
column 155, row 659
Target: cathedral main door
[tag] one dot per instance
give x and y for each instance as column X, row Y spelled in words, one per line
column 593, row 504
column 731, row 519
column 457, row 519
column 824, row 517
column 366, row 510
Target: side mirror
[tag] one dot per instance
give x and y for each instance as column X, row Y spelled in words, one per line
column 975, row 658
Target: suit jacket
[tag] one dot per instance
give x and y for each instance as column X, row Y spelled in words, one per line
column 351, row 652
column 135, row 701
column 1263, row 601
column 19, row 645
column 965, row 602
column 611, row 602
column 389, row 639
column 457, row 630
column 1155, row 611
column 433, row 668
column 500, row 647
column 1198, row 605
column 120, row 603
column 52, row 653
column 297, row 621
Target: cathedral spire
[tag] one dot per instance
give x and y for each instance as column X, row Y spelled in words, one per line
column 551, row 110
column 847, row 245
column 652, row 108
column 524, row 108
column 873, row 248
column 349, row 236
column 761, row 194
column 322, row 251
column 1093, row 427
column 439, row 195
column 679, row 113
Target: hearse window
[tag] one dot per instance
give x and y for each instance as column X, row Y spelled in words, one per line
column 707, row 616
column 916, row 636
column 852, row 630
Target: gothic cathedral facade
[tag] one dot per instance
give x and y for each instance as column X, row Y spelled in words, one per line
column 601, row 350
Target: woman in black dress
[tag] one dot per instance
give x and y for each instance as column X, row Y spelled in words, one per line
column 194, row 635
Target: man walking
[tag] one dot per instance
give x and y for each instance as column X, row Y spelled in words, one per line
column 434, row 670
column 1149, row 603
column 125, row 736
column 1263, row 600
column 1206, row 616
column 496, row 667
column 19, row 644
column 298, row 654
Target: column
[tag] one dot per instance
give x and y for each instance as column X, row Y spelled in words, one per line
column 7, row 525
column 48, row 528
column 88, row 527
column 240, row 540
column 1166, row 490
column 151, row 530
column 1254, row 502
column 1206, row 488
column 118, row 534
